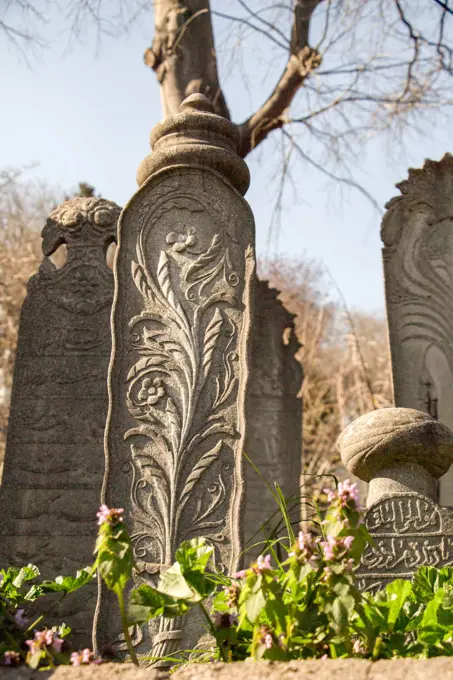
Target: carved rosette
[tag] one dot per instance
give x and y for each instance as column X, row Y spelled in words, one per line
column 178, row 373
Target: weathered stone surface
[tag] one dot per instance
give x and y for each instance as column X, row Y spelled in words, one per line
column 401, row 453
column 274, row 413
column 336, row 669
column 178, row 376
column 417, row 232
column 54, row 455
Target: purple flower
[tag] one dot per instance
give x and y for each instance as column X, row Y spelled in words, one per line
column 83, row 657
column 263, row 563
column 268, row 641
column 108, row 515
column 20, row 619
column 328, row 548
column 241, row 574
column 57, row 644
column 348, row 541
column 11, row 658
column 347, row 493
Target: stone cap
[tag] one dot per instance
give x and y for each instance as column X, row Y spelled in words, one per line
column 395, row 437
column 197, row 136
column 88, row 220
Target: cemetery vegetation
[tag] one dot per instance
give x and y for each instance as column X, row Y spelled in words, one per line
column 299, row 600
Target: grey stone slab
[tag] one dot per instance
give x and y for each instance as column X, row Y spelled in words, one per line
column 417, row 232
column 184, row 277
column 274, row 413
column 54, row 452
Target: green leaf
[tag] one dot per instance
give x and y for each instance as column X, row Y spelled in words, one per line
column 173, row 583
column 27, row 573
column 69, row 584
column 398, row 592
column 254, row 603
column 194, row 555
column 145, row 603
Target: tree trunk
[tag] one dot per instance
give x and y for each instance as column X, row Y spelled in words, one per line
column 183, row 54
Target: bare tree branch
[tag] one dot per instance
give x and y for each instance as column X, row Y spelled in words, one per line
column 303, row 60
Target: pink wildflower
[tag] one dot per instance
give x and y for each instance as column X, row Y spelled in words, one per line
column 359, row 647
column 263, row 563
column 241, row 574
column 83, row 657
column 328, row 548
column 348, row 541
column 347, row 493
column 11, row 658
column 57, row 644
column 268, row 641
column 108, row 515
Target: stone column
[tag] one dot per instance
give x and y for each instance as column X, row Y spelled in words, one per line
column 274, row 414
column 417, row 231
column 184, row 275
column 402, row 453
column 54, row 451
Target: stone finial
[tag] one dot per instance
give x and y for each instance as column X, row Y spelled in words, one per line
column 397, row 450
column 91, row 220
column 196, row 136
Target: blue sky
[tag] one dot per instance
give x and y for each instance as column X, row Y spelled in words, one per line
column 84, row 117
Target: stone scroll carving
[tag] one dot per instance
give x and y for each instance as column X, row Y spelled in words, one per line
column 54, row 455
column 417, row 231
column 401, row 453
column 181, row 325
column 274, row 412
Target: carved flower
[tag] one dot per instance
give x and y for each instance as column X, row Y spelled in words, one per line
column 151, row 390
column 181, row 241
column 83, row 284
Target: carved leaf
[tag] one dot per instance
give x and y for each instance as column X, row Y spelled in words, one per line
column 204, row 259
column 201, row 467
column 174, row 422
column 210, row 338
column 163, row 276
column 140, row 279
column 145, row 362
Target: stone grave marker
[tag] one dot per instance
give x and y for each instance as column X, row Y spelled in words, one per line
column 274, row 413
column 417, row 231
column 401, row 453
column 54, row 458
column 184, row 284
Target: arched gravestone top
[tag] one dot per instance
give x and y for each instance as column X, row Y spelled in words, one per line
column 401, row 453
column 184, row 284
column 417, row 232
column 54, row 451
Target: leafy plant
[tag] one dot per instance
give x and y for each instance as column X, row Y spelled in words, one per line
column 20, row 640
column 307, row 605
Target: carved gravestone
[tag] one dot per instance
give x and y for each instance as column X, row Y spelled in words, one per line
column 417, row 231
column 274, row 414
column 401, row 453
column 184, row 276
column 54, row 455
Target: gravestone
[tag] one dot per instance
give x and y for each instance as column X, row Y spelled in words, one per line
column 401, row 453
column 54, row 458
column 184, row 280
column 274, row 414
column 417, row 231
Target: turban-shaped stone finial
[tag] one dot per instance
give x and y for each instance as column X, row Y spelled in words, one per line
column 397, row 450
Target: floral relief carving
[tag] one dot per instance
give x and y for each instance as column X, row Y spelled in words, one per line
column 182, row 385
